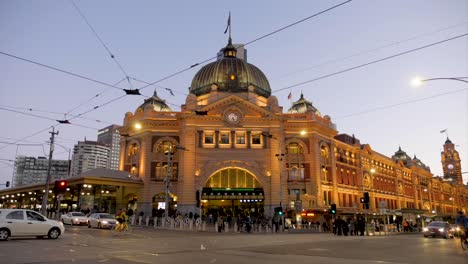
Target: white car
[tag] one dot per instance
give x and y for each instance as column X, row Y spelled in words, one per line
column 23, row 222
column 101, row 220
column 74, row 218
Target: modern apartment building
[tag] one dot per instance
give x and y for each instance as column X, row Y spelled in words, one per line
column 88, row 155
column 110, row 137
column 32, row 170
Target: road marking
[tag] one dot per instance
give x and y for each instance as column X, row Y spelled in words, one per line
column 103, row 260
column 318, row 249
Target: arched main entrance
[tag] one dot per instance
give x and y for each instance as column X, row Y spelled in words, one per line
column 232, row 192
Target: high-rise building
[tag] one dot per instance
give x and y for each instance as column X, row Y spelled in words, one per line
column 32, row 170
column 88, row 155
column 110, row 137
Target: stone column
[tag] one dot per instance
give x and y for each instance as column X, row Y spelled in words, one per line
column 145, row 196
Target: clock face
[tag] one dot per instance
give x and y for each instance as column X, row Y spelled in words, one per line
column 450, row 166
column 233, row 117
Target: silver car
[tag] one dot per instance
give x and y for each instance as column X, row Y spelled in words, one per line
column 23, row 222
column 101, row 220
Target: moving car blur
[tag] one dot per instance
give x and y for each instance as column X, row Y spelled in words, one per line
column 74, row 218
column 438, row 229
column 101, row 220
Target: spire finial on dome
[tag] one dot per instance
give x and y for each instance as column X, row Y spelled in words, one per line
column 155, row 94
column 229, row 50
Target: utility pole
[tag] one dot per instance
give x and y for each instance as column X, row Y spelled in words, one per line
column 46, row 193
column 168, row 181
column 169, row 175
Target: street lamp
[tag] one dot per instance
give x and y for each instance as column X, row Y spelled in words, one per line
column 419, row 81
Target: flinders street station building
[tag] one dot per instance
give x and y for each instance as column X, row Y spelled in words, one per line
column 232, row 150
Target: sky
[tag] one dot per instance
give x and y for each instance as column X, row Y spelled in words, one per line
column 318, row 57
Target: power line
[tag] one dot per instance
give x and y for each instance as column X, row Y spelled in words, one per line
column 43, row 117
column 394, row 43
column 60, row 70
column 92, row 98
column 38, row 132
column 250, row 42
column 401, row 103
column 102, row 42
column 373, row 62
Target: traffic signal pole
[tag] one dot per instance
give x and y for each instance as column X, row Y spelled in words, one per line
column 46, row 193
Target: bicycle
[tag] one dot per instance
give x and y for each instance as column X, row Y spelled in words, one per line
column 121, row 227
column 463, row 238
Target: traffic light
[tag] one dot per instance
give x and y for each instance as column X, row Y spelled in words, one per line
column 365, row 201
column 7, row 184
column 279, row 210
column 197, row 198
column 60, row 186
column 366, row 197
column 333, row 209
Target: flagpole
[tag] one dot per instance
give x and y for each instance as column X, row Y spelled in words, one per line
column 229, row 25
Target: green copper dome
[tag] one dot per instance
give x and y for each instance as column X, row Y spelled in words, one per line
column 157, row 104
column 303, row 106
column 230, row 74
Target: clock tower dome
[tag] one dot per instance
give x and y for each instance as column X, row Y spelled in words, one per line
column 451, row 163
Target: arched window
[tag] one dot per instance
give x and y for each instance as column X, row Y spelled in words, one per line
column 232, row 178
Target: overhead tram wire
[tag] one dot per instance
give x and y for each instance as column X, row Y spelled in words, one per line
column 48, row 118
column 95, row 96
column 250, row 42
column 38, row 132
column 174, row 74
column 102, row 43
column 394, row 43
column 373, row 62
column 54, row 113
column 60, row 70
column 402, row 103
column 359, row 66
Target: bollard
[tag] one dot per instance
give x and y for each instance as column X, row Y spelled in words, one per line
column 155, row 222
column 190, row 225
column 132, row 220
column 139, row 220
column 147, row 221
column 226, row 227
column 236, row 229
column 204, row 226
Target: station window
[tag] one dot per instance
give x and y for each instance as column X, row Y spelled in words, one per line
column 240, row 138
column 256, row 139
column 209, row 138
column 224, row 138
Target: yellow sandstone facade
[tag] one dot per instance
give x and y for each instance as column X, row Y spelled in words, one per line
column 235, row 149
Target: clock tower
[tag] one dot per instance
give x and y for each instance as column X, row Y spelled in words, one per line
column 451, row 163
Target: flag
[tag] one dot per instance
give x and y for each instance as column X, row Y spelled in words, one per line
column 443, row 131
column 289, row 96
column 228, row 23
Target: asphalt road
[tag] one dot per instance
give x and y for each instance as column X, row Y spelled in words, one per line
column 146, row 245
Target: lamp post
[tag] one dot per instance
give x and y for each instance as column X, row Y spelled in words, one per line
column 418, row 81
column 169, row 154
column 280, row 157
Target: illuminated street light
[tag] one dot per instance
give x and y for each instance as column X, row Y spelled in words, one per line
column 138, row 126
column 419, row 81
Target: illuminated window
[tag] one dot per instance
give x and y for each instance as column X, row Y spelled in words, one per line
column 209, row 138
column 240, row 138
column 224, row 138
